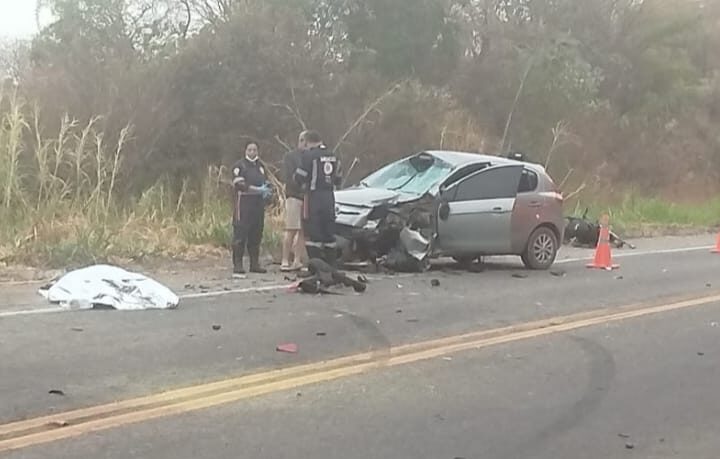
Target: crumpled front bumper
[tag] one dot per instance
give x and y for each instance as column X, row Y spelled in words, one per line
column 360, row 236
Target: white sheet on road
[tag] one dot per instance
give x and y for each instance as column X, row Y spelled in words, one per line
column 109, row 286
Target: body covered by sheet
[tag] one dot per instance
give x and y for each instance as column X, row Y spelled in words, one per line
column 110, row 287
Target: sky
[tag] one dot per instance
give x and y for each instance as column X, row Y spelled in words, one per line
column 17, row 18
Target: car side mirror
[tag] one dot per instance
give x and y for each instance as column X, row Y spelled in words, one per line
column 444, row 210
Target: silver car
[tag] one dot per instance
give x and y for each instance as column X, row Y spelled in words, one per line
column 452, row 204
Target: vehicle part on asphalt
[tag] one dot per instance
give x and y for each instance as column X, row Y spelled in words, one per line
column 581, row 232
column 290, row 348
column 444, row 203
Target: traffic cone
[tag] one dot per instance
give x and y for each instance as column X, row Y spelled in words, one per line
column 717, row 245
column 603, row 257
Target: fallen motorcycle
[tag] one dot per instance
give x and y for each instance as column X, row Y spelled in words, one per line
column 581, row 232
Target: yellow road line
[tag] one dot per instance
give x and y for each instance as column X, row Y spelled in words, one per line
column 78, row 422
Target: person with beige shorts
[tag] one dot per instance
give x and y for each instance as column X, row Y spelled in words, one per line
column 294, row 240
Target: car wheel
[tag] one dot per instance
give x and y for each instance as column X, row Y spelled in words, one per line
column 541, row 250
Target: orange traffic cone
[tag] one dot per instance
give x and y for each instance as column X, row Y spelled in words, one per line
column 717, row 245
column 603, row 257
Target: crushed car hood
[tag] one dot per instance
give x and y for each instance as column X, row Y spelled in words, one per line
column 353, row 205
column 370, row 197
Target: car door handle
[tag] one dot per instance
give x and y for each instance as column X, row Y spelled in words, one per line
column 497, row 209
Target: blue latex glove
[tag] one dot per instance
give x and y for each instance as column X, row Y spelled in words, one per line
column 266, row 191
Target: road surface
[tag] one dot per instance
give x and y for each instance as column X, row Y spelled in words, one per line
column 503, row 363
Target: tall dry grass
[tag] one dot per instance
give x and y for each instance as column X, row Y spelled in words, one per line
column 60, row 205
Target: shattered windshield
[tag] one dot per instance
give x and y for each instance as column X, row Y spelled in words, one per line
column 414, row 175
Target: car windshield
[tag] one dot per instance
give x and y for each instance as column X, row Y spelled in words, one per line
column 414, row 175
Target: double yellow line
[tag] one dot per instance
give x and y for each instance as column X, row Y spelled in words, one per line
column 60, row 426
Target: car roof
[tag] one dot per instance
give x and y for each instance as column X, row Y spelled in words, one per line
column 461, row 158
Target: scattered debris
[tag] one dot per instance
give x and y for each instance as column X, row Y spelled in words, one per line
column 56, row 392
column 412, row 321
column 398, row 311
column 558, row 273
column 520, row 276
column 713, row 324
column 104, row 286
column 622, row 435
column 700, row 354
column 320, row 334
column 447, row 359
column 290, row 348
column 629, row 445
column 399, row 286
column 77, row 329
column 216, row 327
column 619, row 278
column 708, row 285
column 435, row 283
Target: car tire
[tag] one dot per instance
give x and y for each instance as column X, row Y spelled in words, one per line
column 541, row 249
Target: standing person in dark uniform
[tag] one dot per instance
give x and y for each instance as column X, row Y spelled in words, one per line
column 251, row 191
column 319, row 174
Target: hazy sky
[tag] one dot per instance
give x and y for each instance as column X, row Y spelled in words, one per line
column 17, row 18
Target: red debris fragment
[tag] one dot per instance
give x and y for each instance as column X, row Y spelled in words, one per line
column 290, row 348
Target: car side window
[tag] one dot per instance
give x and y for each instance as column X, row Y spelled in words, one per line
column 528, row 181
column 464, row 172
column 493, row 184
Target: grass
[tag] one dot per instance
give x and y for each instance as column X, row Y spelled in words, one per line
column 643, row 216
column 60, row 206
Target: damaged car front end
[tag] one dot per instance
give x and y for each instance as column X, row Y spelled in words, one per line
column 388, row 217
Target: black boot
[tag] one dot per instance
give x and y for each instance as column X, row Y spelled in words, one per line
column 255, row 262
column 238, row 252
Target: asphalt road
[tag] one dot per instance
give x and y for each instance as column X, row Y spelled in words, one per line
column 641, row 387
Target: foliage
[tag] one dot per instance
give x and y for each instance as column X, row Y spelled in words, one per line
column 114, row 114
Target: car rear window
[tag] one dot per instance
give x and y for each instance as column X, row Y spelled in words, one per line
column 528, row 181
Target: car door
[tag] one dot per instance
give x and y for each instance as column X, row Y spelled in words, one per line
column 475, row 213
